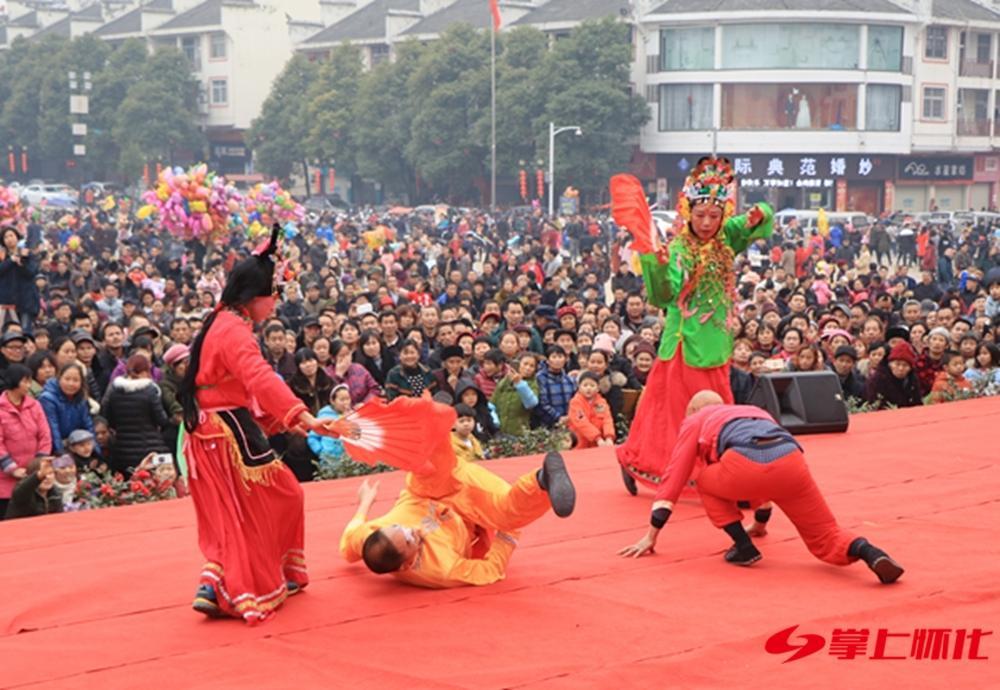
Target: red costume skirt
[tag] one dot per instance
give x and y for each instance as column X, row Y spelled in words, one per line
column 669, row 387
column 251, row 523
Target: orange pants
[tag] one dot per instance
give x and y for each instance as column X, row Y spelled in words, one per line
column 482, row 497
column 786, row 481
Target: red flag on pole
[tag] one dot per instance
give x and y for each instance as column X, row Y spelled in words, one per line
column 495, row 9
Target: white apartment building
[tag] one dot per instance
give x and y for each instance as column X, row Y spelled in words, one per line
column 849, row 104
column 236, row 49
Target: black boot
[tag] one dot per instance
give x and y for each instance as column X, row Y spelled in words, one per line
column 742, row 552
column 877, row 560
column 629, row 480
column 554, row 479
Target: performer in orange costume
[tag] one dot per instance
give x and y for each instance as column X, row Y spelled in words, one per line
column 248, row 503
column 455, row 523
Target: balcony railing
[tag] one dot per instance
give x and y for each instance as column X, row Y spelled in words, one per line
column 971, row 68
column 974, row 128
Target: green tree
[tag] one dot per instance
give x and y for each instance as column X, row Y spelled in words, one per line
column 382, row 123
column 28, row 65
column 520, row 102
column 585, row 78
column 329, row 102
column 125, row 69
column 144, row 103
column 157, row 117
column 449, row 91
column 55, row 135
column 278, row 135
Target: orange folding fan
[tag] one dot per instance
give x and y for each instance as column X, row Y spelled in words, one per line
column 401, row 433
column 631, row 211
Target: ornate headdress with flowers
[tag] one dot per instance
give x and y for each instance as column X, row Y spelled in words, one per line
column 711, row 181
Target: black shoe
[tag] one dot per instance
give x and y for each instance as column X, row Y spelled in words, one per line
column 747, row 555
column 554, row 478
column 888, row 570
column 630, row 485
column 877, row 560
column 292, row 588
column 206, row 602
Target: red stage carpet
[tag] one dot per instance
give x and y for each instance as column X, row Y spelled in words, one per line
column 102, row 599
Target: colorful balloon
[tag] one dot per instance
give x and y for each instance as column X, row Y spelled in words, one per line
column 192, row 204
column 11, row 210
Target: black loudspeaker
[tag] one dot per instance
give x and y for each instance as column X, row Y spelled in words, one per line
column 808, row 402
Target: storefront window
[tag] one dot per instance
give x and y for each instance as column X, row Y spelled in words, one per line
column 882, row 107
column 787, row 106
column 790, row 46
column 885, row 48
column 687, row 49
column 685, row 106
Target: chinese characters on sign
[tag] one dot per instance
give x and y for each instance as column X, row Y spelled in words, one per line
column 937, row 644
column 936, row 168
column 780, row 170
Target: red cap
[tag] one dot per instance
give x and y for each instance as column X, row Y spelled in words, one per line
column 902, row 351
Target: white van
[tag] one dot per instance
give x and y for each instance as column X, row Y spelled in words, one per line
column 807, row 219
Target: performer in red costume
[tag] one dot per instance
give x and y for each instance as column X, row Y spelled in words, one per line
column 738, row 452
column 248, row 503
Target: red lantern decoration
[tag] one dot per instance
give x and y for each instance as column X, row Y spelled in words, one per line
column 540, row 179
column 523, row 178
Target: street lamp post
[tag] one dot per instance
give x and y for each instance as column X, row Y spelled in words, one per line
column 553, row 132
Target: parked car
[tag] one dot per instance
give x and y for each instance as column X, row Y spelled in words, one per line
column 323, row 204
column 101, row 188
column 51, row 195
column 961, row 219
column 808, row 218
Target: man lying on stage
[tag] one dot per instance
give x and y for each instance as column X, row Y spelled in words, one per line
column 743, row 455
column 456, row 522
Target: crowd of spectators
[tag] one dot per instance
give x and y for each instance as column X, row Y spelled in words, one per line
column 520, row 322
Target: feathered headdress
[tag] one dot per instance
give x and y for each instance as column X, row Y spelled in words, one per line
column 711, row 181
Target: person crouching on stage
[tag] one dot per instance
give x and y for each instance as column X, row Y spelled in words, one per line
column 457, row 524
column 744, row 455
column 248, row 504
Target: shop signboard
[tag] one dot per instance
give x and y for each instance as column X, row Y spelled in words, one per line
column 936, row 168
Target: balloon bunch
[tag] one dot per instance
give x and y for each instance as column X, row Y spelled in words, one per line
column 266, row 204
column 11, row 210
column 192, row 204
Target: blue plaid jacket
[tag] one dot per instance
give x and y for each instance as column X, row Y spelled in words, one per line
column 554, row 394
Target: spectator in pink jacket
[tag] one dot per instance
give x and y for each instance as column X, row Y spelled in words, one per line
column 343, row 370
column 24, row 431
